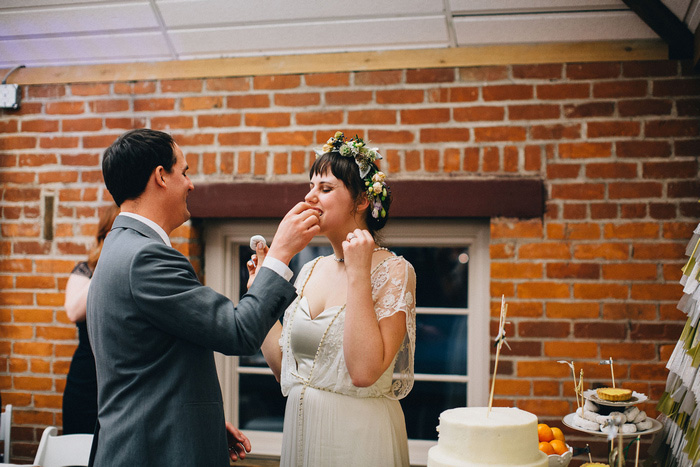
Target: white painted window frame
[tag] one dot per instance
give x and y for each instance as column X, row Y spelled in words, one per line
column 221, row 273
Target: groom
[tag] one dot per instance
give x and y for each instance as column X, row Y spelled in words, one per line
column 153, row 327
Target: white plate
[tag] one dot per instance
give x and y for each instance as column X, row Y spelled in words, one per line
column 656, row 426
column 636, row 398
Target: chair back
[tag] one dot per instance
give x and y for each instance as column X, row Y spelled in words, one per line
column 5, row 431
column 61, row 451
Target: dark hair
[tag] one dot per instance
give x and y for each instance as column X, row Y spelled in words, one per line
column 346, row 170
column 103, row 228
column 129, row 162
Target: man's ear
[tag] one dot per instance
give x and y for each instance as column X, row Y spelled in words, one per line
column 158, row 176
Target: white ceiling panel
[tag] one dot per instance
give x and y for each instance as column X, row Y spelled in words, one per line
column 693, row 17
column 38, row 3
column 568, row 27
column 84, row 50
column 76, row 19
column 678, row 7
column 318, row 36
column 185, row 13
column 515, row 6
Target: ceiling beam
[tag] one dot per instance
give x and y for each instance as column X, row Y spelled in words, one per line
column 667, row 25
column 510, row 54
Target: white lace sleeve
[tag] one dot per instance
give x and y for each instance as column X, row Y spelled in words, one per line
column 393, row 291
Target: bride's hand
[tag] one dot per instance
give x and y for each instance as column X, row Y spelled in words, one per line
column 357, row 250
column 255, row 262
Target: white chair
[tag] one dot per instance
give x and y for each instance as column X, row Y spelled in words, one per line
column 60, row 451
column 5, row 427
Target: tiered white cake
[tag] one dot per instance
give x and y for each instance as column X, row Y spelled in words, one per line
column 507, row 437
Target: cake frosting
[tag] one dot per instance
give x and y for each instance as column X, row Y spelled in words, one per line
column 469, row 437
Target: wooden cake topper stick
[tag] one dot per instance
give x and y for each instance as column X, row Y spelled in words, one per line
column 612, row 371
column 500, row 339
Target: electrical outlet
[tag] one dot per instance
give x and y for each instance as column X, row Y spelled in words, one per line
column 10, row 95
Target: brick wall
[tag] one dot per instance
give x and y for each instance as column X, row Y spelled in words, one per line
column 615, row 143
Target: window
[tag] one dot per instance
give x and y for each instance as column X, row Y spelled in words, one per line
column 452, row 297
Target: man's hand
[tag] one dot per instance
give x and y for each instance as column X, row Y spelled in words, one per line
column 238, row 443
column 295, row 231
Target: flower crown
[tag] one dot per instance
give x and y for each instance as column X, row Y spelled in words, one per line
column 364, row 157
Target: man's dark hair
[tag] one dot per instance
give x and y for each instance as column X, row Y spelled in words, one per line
column 129, row 162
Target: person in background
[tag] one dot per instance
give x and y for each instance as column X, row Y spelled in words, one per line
column 154, row 327
column 80, row 393
column 344, row 353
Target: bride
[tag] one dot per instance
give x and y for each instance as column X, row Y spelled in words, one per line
column 344, row 353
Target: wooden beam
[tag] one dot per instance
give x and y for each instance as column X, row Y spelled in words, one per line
column 512, row 197
column 667, row 25
column 696, row 57
column 350, row 61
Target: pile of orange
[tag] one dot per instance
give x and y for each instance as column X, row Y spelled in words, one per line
column 551, row 440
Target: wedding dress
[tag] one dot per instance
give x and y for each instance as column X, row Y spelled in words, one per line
column 328, row 421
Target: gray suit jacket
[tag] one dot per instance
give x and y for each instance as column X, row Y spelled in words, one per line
column 153, row 327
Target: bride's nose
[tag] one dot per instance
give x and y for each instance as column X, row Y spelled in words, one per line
column 310, row 196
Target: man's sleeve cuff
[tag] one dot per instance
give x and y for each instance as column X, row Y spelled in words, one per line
column 279, row 267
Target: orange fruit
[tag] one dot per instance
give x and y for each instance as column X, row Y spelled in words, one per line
column 546, row 448
column 558, row 434
column 559, row 446
column 544, row 433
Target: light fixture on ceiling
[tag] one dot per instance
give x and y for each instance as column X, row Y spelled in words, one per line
column 10, row 94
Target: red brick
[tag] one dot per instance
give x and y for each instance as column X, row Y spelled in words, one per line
column 545, row 71
column 400, row 96
column 248, row 101
column 633, row 210
column 17, row 142
column 483, row 73
column 430, row 75
column 219, row 120
column 83, row 124
column 604, row 251
column 507, row 92
column 452, row 159
column 613, row 129
column 628, row 311
column 478, row 113
column 656, row 292
column 584, row 150
column 672, row 128
column 611, row 170
column 491, row 159
column 121, row 105
column 594, row 70
column 431, row 160
column 269, row 120
column 42, row 126
column 642, row 149
column 499, row 133
column 662, row 211
column 418, row 116
column 545, row 250
column 453, row 94
column 563, row 91
column 260, row 161
column 568, row 349
column 151, row 105
column 620, row 88
column 181, row 85
column 573, row 271
column 573, row 231
column 543, row 368
column 589, row 109
column 37, row 160
column 320, row 118
column 348, row 97
column 687, row 147
column 378, row 78
column 677, row 230
column 65, row 108
column 683, row 189
column 517, row 270
column 241, row 138
column 169, row 123
column 437, row 135
column 501, row 251
column 677, row 87
column 372, row 117
column 555, row 131
column 600, row 291
column 201, row 103
column 519, row 229
column 412, row 160
column 540, row 329
column 59, row 142
column 632, row 230
column 600, row 330
column 633, row 108
column 47, row 90
column 688, row 107
column 627, row 190
column 297, row 99
column 649, row 68
column 228, row 84
column 573, row 310
column 389, row 136
column 556, row 171
column 327, row 79
column 658, row 250
column 628, row 351
column 580, row 191
column 630, row 271
column 670, row 169
column 533, row 112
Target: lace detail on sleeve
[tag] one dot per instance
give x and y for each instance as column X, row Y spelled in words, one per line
column 393, row 290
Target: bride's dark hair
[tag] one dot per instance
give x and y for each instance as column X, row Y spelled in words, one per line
column 345, row 169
